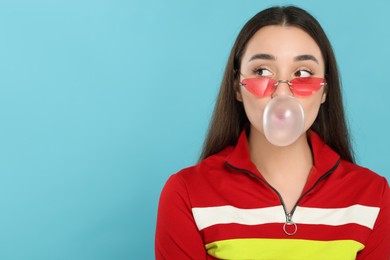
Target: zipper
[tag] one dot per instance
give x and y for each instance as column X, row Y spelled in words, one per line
column 288, row 215
column 289, row 222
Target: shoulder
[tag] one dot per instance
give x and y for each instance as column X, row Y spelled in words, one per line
column 198, row 181
column 363, row 180
column 214, row 165
column 360, row 173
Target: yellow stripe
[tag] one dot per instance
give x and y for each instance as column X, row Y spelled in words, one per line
column 284, row 249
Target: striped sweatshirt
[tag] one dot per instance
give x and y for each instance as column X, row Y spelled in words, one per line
column 222, row 208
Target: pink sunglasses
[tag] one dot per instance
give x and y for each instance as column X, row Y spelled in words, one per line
column 262, row 86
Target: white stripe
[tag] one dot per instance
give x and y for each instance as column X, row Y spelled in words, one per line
column 358, row 214
column 206, row 217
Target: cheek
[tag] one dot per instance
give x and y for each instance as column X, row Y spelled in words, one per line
column 254, row 108
column 311, row 108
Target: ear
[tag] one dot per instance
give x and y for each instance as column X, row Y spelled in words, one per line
column 323, row 98
column 238, row 95
column 237, row 86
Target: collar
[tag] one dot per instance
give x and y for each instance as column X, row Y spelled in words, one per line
column 324, row 158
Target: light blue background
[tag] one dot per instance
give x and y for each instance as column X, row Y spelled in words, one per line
column 100, row 101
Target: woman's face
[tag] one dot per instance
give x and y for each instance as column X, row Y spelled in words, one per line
column 281, row 53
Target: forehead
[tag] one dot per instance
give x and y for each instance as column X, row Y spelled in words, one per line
column 283, row 42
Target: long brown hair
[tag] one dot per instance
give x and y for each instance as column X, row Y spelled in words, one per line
column 229, row 118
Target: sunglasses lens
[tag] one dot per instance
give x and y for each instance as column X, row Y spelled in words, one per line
column 306, row 86
column 260, row 87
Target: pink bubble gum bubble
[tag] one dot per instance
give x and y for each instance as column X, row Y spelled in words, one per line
column 283, row 120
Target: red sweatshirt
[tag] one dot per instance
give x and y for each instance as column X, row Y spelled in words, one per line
column 222, row 208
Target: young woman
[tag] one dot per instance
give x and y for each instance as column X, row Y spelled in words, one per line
column 277, row 178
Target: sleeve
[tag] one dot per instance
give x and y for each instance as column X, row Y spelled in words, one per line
column 378, row 244
column 177, row 236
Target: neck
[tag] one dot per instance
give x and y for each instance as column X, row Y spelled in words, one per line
column 274, row 162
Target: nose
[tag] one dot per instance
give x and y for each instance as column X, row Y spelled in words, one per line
column 282, row 88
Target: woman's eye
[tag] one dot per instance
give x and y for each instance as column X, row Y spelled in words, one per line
column 263, row 72
column 303, row 73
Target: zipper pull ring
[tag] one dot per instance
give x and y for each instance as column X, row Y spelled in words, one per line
column 289, row 222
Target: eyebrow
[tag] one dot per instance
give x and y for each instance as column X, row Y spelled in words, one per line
column 264, row 56
column 306, row 57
